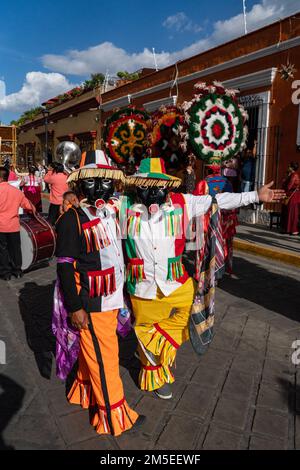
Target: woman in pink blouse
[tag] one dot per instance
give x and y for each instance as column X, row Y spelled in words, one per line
column 57, row 180
column 32, row 187
column 12, row 174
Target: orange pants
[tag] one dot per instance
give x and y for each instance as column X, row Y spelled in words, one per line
column 98, row 385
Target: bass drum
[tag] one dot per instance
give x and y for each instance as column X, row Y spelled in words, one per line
column 38, row 241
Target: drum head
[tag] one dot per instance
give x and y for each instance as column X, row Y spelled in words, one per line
column 26, row 248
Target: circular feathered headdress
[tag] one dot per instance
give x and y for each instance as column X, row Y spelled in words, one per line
column 215, row 122
column 125, row 135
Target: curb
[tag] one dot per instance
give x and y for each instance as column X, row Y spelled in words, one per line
column 262, row 250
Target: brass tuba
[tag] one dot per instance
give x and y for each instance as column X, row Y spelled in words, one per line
column 69, row 154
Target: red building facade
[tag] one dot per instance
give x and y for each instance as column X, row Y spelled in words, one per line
column 252, row 63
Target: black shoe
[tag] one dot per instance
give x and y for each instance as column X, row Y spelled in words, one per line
column 18, row 274
column 140, row 421
column 164, row 392
column 6, row 277
column 138, row 424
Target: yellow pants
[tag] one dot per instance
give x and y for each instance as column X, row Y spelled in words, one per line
column 98, row 385
column 161, row 326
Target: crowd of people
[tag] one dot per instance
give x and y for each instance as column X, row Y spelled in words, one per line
column 239, row 171
column 145, row 229
column 91, row 256
column 122, row 234
column 37, row 179
column 22, row 193
column 238, row 175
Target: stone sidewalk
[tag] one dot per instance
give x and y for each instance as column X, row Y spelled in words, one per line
column 260, row 240
column 243, row 394
column 262, row 235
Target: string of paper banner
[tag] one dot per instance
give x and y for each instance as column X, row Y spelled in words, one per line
column 212, row 123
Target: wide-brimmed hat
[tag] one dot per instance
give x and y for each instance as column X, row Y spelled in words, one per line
column 215, row 160
column 96, row 164
column 152, row 173
column 214, row 163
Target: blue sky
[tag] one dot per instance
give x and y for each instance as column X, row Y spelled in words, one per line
column 46, row 46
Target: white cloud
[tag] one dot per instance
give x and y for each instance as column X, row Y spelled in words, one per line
column 37, row 87
column 2, row 89
column 108, row 56
column 261, row 14
column 180, row 23
column 102, row 57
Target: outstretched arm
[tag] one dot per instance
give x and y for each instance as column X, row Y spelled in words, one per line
column 198, row 205
column 264, row 194
column 235, row 200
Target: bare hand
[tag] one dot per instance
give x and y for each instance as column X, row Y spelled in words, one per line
column 79, row 319
column 266, row 194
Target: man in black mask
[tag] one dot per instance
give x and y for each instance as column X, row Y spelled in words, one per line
column 97, row 189
column 161, row 291
column 149, row 196
column 91, row 274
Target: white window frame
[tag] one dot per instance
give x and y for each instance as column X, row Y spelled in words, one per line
column 263, row 123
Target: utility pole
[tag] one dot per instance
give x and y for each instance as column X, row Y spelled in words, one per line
column 245, row 16
column 154, row 58
column 46, row 113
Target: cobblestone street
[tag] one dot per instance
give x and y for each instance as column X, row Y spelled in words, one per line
column 243, row 394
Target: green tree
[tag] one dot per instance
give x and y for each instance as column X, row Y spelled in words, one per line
column 95, row 80
column 124, row 75
column 28, row 115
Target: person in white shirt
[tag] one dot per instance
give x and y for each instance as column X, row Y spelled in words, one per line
column 156, row 278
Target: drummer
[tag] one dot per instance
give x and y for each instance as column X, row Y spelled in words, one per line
column 11, row 199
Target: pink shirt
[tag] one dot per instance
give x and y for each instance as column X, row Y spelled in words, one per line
column 58, row 182
column 12, row 176
column 11, row 199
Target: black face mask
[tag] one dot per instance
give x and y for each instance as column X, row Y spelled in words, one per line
column 97, row 188
column 149, row 196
